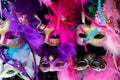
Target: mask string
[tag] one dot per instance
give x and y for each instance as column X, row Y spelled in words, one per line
column 83, row 74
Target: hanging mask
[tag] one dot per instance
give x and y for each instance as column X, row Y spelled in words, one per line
column 96, row 39
column 7, row 38
column 54, row 58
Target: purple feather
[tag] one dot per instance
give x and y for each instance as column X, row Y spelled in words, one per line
column 33, row 36
column 62, row 51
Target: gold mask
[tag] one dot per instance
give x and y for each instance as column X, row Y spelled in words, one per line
column 50, row 38
column 6, row 36
column 97, row 39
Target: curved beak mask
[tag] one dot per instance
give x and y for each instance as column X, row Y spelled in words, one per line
column 7, row 38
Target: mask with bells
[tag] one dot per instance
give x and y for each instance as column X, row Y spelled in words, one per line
column 7, row 38
column 53, row 59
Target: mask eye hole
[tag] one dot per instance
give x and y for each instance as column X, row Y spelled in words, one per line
column 55, row 36
column 99, row 36
column 10, row 72
column 59, row 63
column 9, row 35
column 45, row 64
column 97, row 64
column 82, row 63
column 82, row 35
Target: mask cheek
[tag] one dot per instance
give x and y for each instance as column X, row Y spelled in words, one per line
column 54, row 42
column 96, row 42
column 80, row 41
column 8, row 71
column 17, row 42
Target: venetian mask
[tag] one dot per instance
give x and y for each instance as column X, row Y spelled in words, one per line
column 8, row 71
column 89, row 59
column 50, row 38
column 53, row 59
column 96, row 39
column 7, row 38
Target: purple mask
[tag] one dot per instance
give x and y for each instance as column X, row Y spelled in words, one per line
column 52, row 65
column 55, row 58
